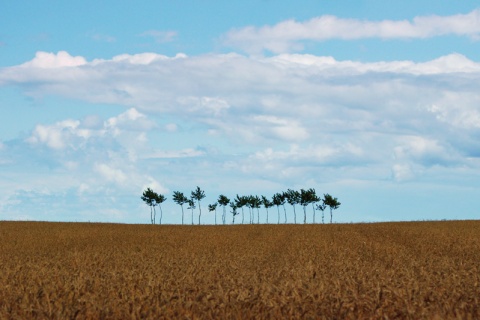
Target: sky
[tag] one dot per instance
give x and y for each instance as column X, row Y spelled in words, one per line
column 374, row 102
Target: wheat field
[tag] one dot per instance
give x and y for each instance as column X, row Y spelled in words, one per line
column 342, row 271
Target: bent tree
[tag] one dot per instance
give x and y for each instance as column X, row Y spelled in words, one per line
column 234, row 211
column 278, row 200
column 293, row 198
column 223, row 201
column 149, row 197
column 198, row 194
column 213, row 207
column 267, row 204
column 307, row 197
column 332, row 203
column 159, row 199
column 180, row 199
column 240, row 202
column 321, row 207
column 191, row 206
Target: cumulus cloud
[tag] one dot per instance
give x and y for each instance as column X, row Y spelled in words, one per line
column 58, row 135
column 288, row 35
column 48, row 60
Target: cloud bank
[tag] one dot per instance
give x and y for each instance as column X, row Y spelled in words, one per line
column 232, row 120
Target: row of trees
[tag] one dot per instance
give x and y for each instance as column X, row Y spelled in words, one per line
column 237, row 205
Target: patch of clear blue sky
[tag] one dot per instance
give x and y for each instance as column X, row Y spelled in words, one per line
column 30, row 26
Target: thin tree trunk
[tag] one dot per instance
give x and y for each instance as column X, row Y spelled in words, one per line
column 258, row 216
column 331, row 215
column 313, row 213
column 182, row 213
column 161, row 213
column 151, row 214
column 294, row 215
column 154, row 215
column 243, row 215
column 304, row 214
column 200, row 212
column 267, row 214
column 285, row 213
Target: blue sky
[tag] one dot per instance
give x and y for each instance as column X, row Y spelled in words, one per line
column 376, row 104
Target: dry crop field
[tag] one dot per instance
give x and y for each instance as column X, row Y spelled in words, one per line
column 114, row 271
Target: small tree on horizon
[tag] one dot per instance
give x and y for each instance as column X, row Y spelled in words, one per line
column 293, row 198
column 223, row 201
column 159, row 199
column 198, row 194
column 240, row 202
column 191, row 205
column 267, row 204
column 213, row 207
column 149, row 197
column 279, row 200
column 307, row 197
column 321, row 207
column 234, row 211
column 332, row 202
column 256, row 202
column 180, row 199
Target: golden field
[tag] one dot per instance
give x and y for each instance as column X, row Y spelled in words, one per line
column 341, row 271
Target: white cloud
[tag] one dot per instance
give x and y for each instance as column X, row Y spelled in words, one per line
column 130, row 119
column 46, row 60
column 285, row 129
column 288, row 35
column 110, row 173
column 425, row 151
column 57, row 136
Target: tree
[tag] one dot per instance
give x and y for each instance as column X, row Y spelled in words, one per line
column 293, row 198
column 313, row 200
column 249, row 203
column 198, row 194
column 159, row 199
column 234, row 211
column 321, row 207
column 223, row 201
column 213, row 207
column 191, row 205
column 180, row 199
column 240, row 202
column 332, row 203
column 278, row 200
column 304, row 202
column 307, row 197
column 149, row 197
column 267, row 204
column 256, row 202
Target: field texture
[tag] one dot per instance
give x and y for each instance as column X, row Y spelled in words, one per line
column 106, row 271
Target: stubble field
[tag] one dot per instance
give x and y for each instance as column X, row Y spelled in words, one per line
column 113, row 271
